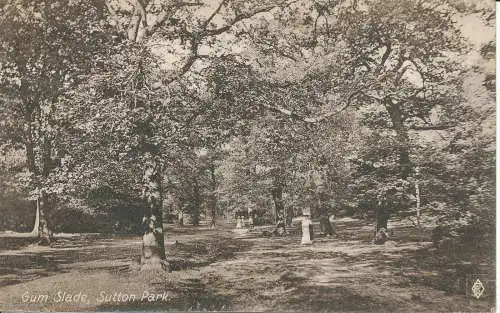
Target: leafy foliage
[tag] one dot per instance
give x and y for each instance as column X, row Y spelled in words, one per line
column 267, row 105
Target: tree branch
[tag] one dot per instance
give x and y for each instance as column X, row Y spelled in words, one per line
column 168, row 13
column 214, row 13
column 316, row 119
column 137, row 18
column 387, row 52
column 432, row 127
column 239, row 18
column 402, row 72
column 203, row 32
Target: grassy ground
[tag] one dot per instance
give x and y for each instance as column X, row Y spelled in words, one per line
column 226, row 270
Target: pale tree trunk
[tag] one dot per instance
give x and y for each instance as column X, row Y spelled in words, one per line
column 180, row 218
column 417, row 196
column 213, row 197
column 153, row 245
column 35, row 230
column 153, row 242
column 138, row 24
column 44, row 232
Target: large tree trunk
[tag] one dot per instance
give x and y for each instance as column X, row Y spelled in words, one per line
column 36, row 227
column 30, row 147
column 31, row 163
column 44, row 232
column 41, row 228
column 394, row 109
column 153, row 245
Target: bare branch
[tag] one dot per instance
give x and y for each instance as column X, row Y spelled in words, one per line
column 137, row 18
column 168, row 13
column 281, row 110
column 361, row 90
column 371, row 96
column 183, row 70
column 241, row 17
column 386, row 55
column 402, row 72
column 142, row 11
column 311, row 120
column 214, row 13
column 432, row 127
column 198, row 35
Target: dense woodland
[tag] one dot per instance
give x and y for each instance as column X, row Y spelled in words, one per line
column 115, row 110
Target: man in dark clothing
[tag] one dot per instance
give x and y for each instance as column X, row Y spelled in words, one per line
column 326, row 226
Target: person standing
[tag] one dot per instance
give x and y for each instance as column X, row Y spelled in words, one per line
column 306, row 226
column 250, row 217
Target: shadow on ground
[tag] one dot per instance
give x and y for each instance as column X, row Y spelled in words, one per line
column 189, row 294
column 27, row 266
column 338, row 298
column 219, row 271
column 201, row 253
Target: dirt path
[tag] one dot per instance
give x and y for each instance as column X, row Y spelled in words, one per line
column 220, row 270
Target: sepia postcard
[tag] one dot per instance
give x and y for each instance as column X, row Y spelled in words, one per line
column 248, row 155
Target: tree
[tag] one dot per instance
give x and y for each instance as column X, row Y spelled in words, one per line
column 403, row 54
column 161, row 108
column 43, row 50
column 397, row 63
column 281, row 164
column 405, row 49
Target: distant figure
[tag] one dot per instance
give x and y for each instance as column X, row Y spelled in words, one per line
column 280, row 225
column 381, row 237
column 331, row 218
column 250, row 217
column 307, row 228
column 250, row 221
column 326, row 226
column 239, row 221
column 116, row 227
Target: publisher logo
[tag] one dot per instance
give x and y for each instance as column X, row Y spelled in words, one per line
column 477, row 289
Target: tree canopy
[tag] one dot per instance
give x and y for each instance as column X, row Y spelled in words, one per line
column 348, row 103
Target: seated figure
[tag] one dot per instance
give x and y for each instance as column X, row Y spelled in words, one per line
column 280, row 226
column 381, row 237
